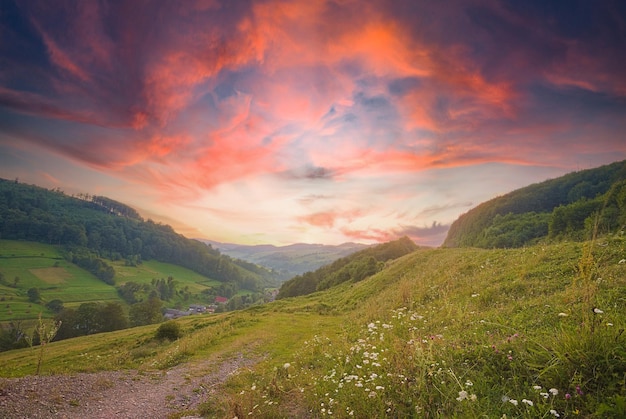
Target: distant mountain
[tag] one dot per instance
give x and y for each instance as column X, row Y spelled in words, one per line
column 568, row 207
column 288, row 261
column 352, row 268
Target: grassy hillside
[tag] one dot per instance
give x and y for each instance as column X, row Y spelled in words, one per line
column 533, row 332
column 97, row 230
column 42, row 266
column 567, row 207
column 352, row 268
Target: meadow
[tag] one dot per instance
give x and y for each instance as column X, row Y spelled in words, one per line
column 25, row 265
column 530, row 332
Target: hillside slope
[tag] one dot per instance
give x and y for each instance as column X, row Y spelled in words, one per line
column 352, row 268
column 95, row 228
column 565, row 207
column 533, row 332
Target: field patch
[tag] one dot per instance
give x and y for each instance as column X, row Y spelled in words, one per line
column 54, row 275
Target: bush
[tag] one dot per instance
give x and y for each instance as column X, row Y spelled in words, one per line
column 169, row 330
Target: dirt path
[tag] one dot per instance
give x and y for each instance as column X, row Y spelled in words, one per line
column 116, row 394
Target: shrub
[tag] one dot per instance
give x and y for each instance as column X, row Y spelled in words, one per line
column 169, row 330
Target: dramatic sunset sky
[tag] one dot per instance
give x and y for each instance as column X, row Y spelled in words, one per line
column 308, row 121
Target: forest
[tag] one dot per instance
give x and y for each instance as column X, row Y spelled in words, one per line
column 93, row 229
column 571, row 207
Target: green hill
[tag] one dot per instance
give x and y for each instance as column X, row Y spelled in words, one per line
column 352, row 268
column 568, row 207
column 95, row 229
column 532, row 332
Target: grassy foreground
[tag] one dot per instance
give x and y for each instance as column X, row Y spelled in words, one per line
column 533, row 332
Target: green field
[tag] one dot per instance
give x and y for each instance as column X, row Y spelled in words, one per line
column 42, row 266
column 530, row 332
column 145, row 272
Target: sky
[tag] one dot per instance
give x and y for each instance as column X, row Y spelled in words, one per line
column 308, row 121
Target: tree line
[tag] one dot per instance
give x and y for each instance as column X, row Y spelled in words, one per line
column 568, row 207
column 102, row 228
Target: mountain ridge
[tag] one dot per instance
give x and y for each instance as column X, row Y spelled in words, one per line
column 288, row 260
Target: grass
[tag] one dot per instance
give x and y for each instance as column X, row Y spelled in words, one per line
column 42, row 266
column 437, row 333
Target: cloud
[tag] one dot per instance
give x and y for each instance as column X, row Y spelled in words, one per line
column 329, row 219
column 323, row 106
column 368, row 235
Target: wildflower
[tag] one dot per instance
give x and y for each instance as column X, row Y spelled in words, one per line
column 462, row 395
column 579, row 391
column 545, row 395
column 563, row 314
column 568, row 396
column 473, row 397
column 286, row 365
column 609, row 324
column 513, row 402
column 554, row 391
column 597, row 310
column 528, row 402
column 505, row 399
column 554, row 413
column 469, row 383
column 475, row 295
column 537, row 387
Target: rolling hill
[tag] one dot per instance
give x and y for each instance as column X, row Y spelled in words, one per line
column 462, row 332
column 568, row 207
column 533, row 331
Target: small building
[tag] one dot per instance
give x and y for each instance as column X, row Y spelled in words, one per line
column 221, row 300
column 197, row 308
column 172, row 313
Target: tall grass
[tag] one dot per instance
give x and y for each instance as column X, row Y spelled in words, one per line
column 438, row 333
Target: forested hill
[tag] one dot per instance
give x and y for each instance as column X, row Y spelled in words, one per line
column 94, row 228
column 567, row 207
column 354, row 267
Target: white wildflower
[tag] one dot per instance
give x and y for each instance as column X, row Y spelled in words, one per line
column 286, row 365
column 462, row 395
column 554, row 391
column 555, row 413
column 537, row 387
column 528, row 402
column 563, row 314
column 598, row 311
column 513, row 402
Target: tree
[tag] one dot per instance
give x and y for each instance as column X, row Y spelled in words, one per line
column 112, row 317
column 55, row 305
column 33, row 295
column 88, row 319
column 146, row 312
column 169, row 330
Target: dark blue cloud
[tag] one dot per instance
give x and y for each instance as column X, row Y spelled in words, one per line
column 401, row 86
